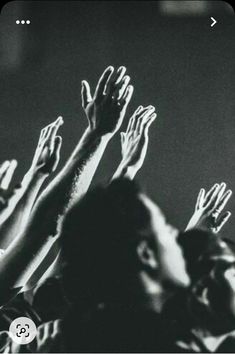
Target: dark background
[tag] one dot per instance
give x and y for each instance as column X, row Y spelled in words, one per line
column 177, row 63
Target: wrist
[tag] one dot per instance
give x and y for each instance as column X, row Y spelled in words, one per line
column 94, row 134
column 33, row 176
column 131, row 172
column 124, row 170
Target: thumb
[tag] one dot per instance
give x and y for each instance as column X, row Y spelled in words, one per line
column 222, row 220
column 7, row 176
column 200, row 198
column 85, row 94
column 58, row 144
column 122, row 137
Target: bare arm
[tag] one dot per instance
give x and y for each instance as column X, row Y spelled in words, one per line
column 23, row 199
column 105, row 113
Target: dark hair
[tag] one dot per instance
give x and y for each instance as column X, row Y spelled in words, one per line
column 98, row 238
column 201, row 249
column 194, row 243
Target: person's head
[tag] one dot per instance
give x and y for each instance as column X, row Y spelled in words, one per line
column 112, row 237
column 212, row 295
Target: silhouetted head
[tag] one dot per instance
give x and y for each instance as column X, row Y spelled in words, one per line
column 113, row 235
column 211, row 265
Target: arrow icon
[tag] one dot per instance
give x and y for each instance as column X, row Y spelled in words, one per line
column 213, row 21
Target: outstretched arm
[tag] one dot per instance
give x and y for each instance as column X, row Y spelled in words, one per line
column 134, row 142
column 23, row 198
column 208, row 210
column 24, row 253
column 105, row 112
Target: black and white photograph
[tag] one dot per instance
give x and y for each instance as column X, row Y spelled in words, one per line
column 117, row 177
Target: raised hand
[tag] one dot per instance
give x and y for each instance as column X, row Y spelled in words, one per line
column 208, row 210
column 7, row 170
column 47, row 153
column 106, row 109
column 134, row 142
column 48, row 336
column 19, row 202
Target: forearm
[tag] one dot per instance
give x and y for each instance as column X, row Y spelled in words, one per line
column 26, row 252
column 19, row 262
column 48, row 267
column 86, row 158
column 72, row 182
column 124, row 171
column 24, row 202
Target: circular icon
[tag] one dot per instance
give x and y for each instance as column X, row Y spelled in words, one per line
column 22, row 330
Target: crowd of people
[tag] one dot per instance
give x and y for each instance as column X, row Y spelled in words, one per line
column 101, row 270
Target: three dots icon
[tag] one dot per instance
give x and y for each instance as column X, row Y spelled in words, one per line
column 23, row 22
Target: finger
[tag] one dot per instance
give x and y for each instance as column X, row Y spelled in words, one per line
column 211, row 195
column 58, row 143
column 139, row 110
column 51, row 327
column 208, row 194
column 45, row 155
column 223, row 201
column 120, row 73
column 42, row 134
column 47, row 132
column 4, row 166
column 119, row 92
column 145, row 131
column 214, row 199
column 122, row 135
column 124, row 101
column 57, row 328
column 149, row 121
column 85, row 94
column 47, row 129
column 103, row 82
column 46, row 333
column 200, row 198
column 222, row 188
column 116, row 80
column 222, row 221
column 57, row 149
column 133, row 117
column 48, row 330
column 134, row 124
column 8, row 174
column 40, row 332
column 130, row 123
column 52, row 134
column 121, row 87
column 143, row 119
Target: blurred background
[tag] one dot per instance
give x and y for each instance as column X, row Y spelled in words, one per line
column 177, row 62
